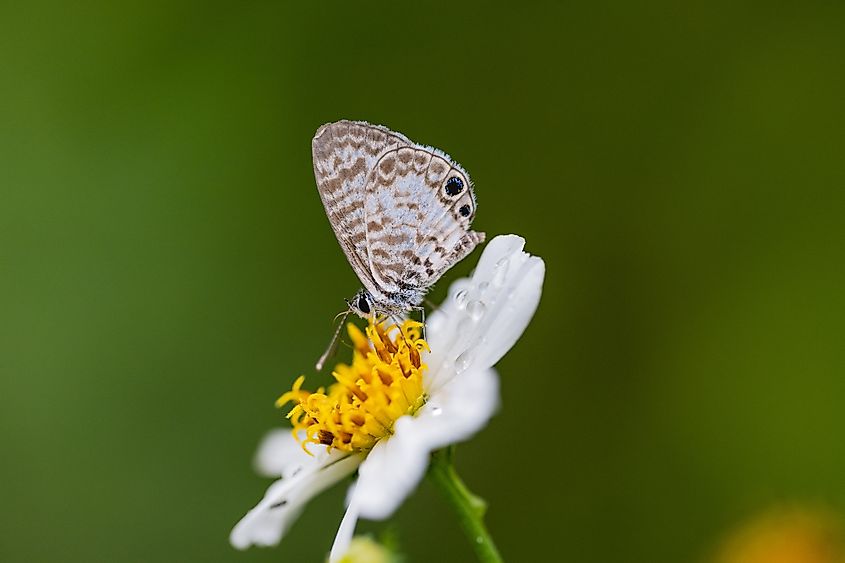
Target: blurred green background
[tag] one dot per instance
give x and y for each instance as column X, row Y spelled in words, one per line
column 166, row 268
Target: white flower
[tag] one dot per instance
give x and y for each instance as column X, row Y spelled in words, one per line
column 481, row 320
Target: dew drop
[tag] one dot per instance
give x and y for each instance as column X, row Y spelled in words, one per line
column 461, row 298
column 436, row 411
column 462, row 362
column 483, row 287
column 501, row 272
column 476, row 309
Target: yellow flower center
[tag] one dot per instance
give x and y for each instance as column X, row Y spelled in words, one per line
column 383, row 383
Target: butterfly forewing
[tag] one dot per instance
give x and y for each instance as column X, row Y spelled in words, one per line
column 344, row 154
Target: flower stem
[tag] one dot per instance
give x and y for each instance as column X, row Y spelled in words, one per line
column 469, row 507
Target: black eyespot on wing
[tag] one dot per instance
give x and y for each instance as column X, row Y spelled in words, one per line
column 364, row 305
column 464, row 210
column 454, row 186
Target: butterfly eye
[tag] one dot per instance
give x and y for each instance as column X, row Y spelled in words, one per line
column 364, row 305
column 454, row 186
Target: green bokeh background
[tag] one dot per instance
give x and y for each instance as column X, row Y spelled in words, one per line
column 166, row 268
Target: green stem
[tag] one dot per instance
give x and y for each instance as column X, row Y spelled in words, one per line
column 469, row 508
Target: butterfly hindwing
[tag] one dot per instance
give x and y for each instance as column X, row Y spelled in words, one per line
column 418, row 208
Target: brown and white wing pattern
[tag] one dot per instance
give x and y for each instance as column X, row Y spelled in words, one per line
column 344, row 155
column 418, row 208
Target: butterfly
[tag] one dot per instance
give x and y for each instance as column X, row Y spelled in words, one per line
column 400, row 211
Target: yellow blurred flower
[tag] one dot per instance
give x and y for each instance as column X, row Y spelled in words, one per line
column 787, row 535
column 363, row 549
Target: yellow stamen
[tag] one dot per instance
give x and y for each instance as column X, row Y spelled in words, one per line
column 382, row 383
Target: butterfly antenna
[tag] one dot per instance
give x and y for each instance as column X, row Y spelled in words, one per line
column 333, row 344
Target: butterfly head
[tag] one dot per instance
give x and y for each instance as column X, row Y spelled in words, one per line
column 362, row 304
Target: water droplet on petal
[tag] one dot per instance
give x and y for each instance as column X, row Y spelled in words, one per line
column 461, row 298
column 436, row 411
column 463, row 361
column 483, row 287
column 501, row 272
column 476, row 309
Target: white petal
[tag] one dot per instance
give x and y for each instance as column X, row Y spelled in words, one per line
column 343, row 538
column 458, row 409
column 391, row 471
column 509, row 318
column 396, row 464
column 280, row 455
column 266, row 523
column 484, row 315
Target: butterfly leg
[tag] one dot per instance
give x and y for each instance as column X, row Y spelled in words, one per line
column 422, row 315
column 398, row 322
column 422, row 319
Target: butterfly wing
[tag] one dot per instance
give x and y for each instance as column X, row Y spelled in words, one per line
column 418, row 208
column 344, row 154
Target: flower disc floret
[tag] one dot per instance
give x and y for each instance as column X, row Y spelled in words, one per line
column 383, row 383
